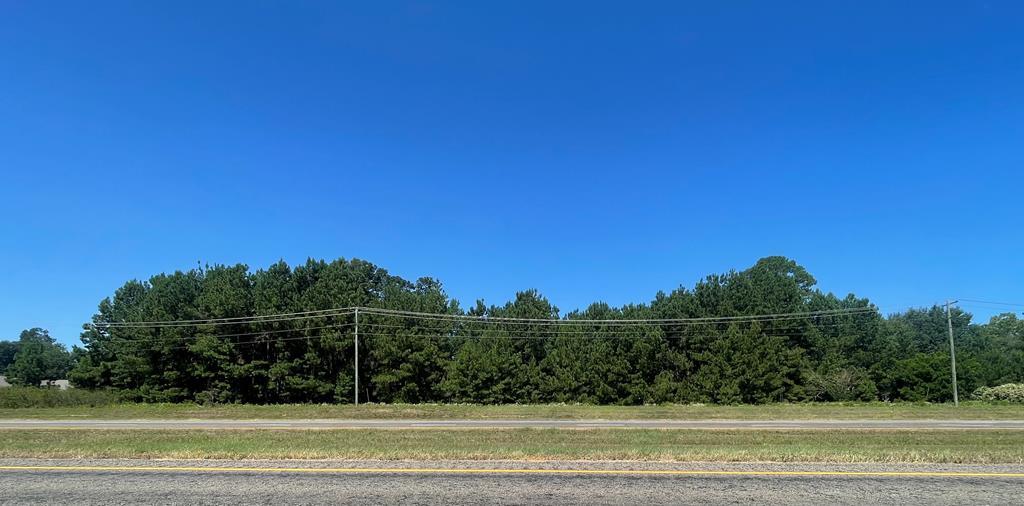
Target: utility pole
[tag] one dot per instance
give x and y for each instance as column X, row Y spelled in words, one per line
column 952, row 350
column 357, row 356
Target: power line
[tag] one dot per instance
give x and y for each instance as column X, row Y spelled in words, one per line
column 463, row 333
column 542, row 337
column 222, row 320
column 305, row 315
column 571, row 329
column 619, row 322
column 1013, row 304
column 644, row 320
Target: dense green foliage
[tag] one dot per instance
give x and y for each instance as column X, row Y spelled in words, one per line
column 1010, row 392
column 36, row 357
column 8, row 349
column 861, row 356
column 31, row 397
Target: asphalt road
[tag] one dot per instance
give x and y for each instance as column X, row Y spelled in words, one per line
column 507, row 424
column 296, row 482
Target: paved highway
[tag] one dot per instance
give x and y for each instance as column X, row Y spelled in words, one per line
column 298, row 482
column 510, row 424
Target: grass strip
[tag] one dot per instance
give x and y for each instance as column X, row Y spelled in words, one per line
column 808, row 411
column 935, row 446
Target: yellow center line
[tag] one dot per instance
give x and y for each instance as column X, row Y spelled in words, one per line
column 435, row 470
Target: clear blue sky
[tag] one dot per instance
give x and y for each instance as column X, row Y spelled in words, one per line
column 595, row 151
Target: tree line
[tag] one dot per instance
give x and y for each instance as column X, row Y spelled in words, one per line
column 35, row 356
column 654, row 352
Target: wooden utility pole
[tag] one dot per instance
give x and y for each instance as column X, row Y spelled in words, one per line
column 357, row 356
column 952, row 351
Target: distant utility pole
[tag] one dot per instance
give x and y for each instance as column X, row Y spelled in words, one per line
column 357, row 356
column 952, row 350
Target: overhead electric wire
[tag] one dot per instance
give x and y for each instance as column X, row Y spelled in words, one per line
column 614, row 323
column 616, row 320
column 232, row 320
column 624, row 321
column 567, row 329
column 1013, row 304
column 464, row 333
column 688, row 336
column 306, row 315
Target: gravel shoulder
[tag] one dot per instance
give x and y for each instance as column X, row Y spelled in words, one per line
column 266, row 487
column 502, row 464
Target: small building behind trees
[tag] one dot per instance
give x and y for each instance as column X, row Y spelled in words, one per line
column 58, row 384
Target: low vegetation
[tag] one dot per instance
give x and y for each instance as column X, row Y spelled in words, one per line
column 525, row 444
column 1010, row 392
column 18, row 398
column 807, row 411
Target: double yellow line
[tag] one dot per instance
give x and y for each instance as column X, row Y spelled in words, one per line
column 436, row 470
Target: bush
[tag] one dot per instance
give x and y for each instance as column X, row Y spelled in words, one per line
column 1010, row 392
column 32, row 397
column 841, row 385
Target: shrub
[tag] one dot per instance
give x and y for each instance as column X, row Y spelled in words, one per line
column 1010, row 392
column 31, row 397
column 852, row 384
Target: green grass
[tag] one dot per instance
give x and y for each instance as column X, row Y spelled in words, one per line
column 941, row 446
column 877, row 410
